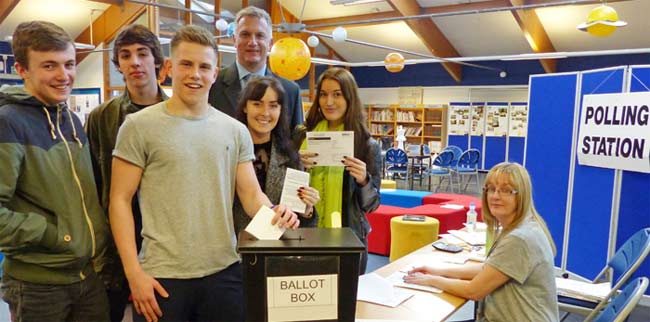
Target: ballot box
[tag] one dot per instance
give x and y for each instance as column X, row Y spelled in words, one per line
column 310, row 274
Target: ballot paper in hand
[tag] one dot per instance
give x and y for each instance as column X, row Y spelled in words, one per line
column 331, row 147
column 293, row 180
column 261, row 226
column 376, row 289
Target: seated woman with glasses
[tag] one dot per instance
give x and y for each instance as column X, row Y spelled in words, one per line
column 516, row 282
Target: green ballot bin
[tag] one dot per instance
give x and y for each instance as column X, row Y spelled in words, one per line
column 310, row 274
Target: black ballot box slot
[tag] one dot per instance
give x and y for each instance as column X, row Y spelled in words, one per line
column 298, row 265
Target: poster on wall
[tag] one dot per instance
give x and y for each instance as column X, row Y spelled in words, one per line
column 458, row 120
column 83, row 100
column 478, row 116
column 410, row 95
column 614, row 131
column 496, row 120
column 518, row 120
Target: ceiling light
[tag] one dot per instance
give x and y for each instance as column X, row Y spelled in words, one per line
column 79, row 45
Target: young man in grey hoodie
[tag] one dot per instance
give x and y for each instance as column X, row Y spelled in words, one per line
column 53, row 228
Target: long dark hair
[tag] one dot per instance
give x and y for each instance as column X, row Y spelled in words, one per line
column 280, row 135
column 354, row 118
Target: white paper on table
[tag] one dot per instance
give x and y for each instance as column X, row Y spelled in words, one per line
column 582, row 290
column 376, row 289
column 452, row 206
column 293, row 180
column 397, row 279
column 475, row 238
column 451, row 239
column 331, row 146
column 261, row 226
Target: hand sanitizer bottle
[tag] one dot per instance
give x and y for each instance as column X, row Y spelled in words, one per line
column 471, row 218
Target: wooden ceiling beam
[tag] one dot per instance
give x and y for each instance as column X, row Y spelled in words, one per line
column 535, row 34
column 6, row 7
column 106, row 26
column 115, row 2
column 430, row 35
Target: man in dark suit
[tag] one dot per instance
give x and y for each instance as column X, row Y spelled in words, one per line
column 252, row 41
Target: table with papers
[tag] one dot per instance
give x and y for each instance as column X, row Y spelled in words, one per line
column 422, row 305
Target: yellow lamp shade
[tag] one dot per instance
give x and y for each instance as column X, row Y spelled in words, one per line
column 602, row 21
column 290, row 58
column 394, row 62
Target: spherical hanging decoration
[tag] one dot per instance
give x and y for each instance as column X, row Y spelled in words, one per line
column 231, row 29
column 290, row 58
column 339, row 34
column 221, row 24
column 313, row 41
column 394, row 62
column 602, row 21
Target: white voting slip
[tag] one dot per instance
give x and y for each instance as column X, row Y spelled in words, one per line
column 261, row 226
column 582, row 290
column 376, row 289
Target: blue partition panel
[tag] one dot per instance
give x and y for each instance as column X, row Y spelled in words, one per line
column 592, row 193
column 516, row 149
column 635, row 189
column 458, row 140
column 495, row 151
column 476, row 142
column 548, row 152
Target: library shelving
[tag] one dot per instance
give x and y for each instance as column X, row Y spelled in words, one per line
column 423, row 123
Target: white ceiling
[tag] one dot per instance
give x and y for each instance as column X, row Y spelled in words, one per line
column 484, row 34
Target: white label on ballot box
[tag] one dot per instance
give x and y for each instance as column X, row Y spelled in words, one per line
column 302, row 298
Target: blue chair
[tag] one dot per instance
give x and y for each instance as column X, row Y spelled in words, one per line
column 467, row 165
column 442, row 169
column 396, row 162
column 622, row 305
column 621, row 267
column 456, row 151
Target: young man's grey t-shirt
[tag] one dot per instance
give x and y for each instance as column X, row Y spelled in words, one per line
column 187, row 188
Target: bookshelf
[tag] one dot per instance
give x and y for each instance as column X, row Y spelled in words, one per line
column 423, row 123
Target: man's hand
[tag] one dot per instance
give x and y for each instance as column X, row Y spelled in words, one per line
column 284, row 217
column 144, row 300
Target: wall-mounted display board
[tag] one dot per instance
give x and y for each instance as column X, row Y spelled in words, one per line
column 496, row 130
column 8, row 73
column 518, row 129
column 83, row 100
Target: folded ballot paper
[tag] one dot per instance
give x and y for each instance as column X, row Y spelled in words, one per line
column 586, row 291
column 376, row 289
column 397, row 279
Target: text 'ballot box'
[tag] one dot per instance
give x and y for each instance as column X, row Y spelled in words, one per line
column 310, row 274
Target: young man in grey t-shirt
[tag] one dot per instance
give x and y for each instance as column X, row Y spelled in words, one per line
column 187, row 160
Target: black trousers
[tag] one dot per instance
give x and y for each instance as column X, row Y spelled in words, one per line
column 216, row 297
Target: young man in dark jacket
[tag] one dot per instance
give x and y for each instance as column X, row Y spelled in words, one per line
column 138, row 56
column 53, row 228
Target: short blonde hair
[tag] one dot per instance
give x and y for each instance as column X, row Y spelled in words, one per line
column 196, row 35
column 519, row 179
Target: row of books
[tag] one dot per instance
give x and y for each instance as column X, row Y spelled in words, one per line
column 386, row 129
column 383, row 115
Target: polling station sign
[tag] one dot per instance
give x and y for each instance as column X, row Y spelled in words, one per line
column 614, row 131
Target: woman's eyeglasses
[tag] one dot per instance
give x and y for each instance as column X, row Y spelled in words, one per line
column 491, row 190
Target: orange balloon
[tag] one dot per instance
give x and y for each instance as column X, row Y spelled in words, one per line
column 394, row 62
column 290, row 58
